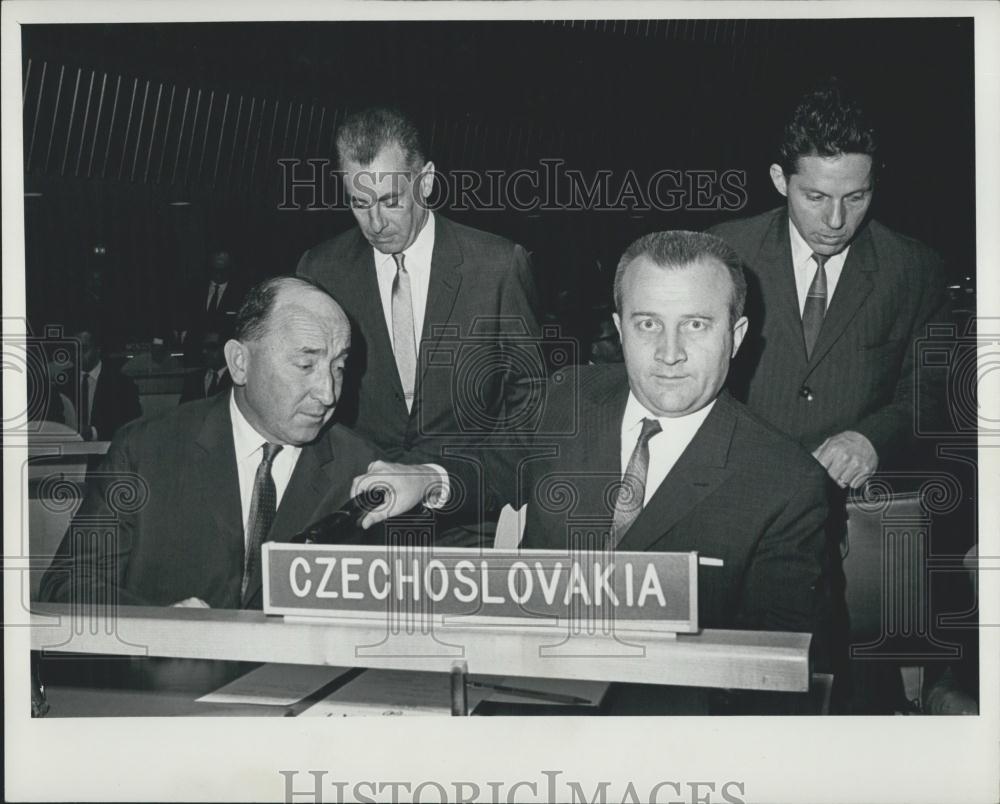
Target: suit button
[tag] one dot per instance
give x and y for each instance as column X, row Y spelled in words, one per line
column 806, row 393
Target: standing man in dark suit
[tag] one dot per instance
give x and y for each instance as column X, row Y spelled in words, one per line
column 663, row 460
column 423, row 291
column 107, row 398
column 203, row 486
column 838, row 300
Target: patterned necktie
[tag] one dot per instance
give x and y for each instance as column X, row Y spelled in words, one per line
column 403, row 336
column 84, row 423
column 814, row 309
column 263, row 505
column 628, row 506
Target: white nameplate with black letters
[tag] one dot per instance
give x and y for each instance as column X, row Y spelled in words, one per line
column 468, row 586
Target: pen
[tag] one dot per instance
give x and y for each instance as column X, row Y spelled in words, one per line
column 554, row 697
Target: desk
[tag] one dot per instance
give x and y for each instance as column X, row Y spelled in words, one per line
column 750, row 660
column 662, row 674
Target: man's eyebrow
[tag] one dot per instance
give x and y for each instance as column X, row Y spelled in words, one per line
column 342, row 353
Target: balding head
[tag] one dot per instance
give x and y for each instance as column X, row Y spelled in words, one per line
column 287, row 359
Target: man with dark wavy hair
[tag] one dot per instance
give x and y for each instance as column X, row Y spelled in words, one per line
column 837, row 300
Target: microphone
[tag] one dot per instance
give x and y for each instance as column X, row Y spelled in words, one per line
column 344, row 525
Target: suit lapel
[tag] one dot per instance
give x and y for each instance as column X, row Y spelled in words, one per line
column 606, row 420
column 442, row 291
column 776, row 252
column 308, row 484
column 854, row 287
column 700, row 469
column 214, row 475
column 380, row 357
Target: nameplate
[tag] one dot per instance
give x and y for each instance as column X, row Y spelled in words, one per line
column 468, row 586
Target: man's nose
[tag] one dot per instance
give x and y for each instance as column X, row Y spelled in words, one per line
column 835, row 215
column 325, row 388
column 376, row 221
column 670, row 349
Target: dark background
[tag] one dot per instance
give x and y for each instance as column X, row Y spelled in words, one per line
column 121, row 120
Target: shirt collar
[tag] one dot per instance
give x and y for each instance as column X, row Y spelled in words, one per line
column 635, row 412
column 246, row 439
column 418, row 255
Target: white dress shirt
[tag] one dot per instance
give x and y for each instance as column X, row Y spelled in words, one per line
column 805, row 267
column 665, row 447
column 417, row 261
column 249, row 453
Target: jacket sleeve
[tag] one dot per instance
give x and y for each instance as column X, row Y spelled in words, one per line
column 781, row 592
column 892, row 426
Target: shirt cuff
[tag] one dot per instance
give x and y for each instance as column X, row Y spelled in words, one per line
column 440, row 491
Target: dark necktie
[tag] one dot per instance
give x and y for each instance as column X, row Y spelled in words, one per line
column 213, row 298
column 84, row 422
column 403, row 336
column 814, row 309
column 263, row 505
column 628, row 506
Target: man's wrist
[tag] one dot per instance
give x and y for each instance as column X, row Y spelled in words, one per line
column 438, row 491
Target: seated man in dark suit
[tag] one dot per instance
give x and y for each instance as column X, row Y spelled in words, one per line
column 193, row 494
column 663, row 459
column 212, row 377
column 107, row 398
column 213, row 301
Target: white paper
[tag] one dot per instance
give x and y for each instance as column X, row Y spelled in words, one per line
column 275, row 684
column 393, row 692
column 592, row 691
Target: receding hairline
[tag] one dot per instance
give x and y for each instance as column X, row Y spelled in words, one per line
column 708, row 260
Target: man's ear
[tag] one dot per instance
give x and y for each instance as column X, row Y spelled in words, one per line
column 739, row 333
column 618, row 324
column 426, row 183
column 779, row 180
column 237, row 357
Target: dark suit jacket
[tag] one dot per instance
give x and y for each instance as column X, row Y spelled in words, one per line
column 219, row 319
column 116, row 402
column 741, row 492
column 169, row 486
column 194, row 385
column 863, row 371
column 480, row 332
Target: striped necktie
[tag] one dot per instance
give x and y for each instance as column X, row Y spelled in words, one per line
column 814, row 309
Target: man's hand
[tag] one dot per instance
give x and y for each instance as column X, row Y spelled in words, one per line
column 848, row 457
column 405, row 485
column 191, row 603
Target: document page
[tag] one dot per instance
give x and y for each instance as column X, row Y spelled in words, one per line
column 275, row 684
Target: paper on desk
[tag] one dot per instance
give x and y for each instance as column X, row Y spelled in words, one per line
column 275, row 684
column 592, row 691
column 392, row 692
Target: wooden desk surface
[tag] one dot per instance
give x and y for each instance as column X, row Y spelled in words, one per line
column 714, row 658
